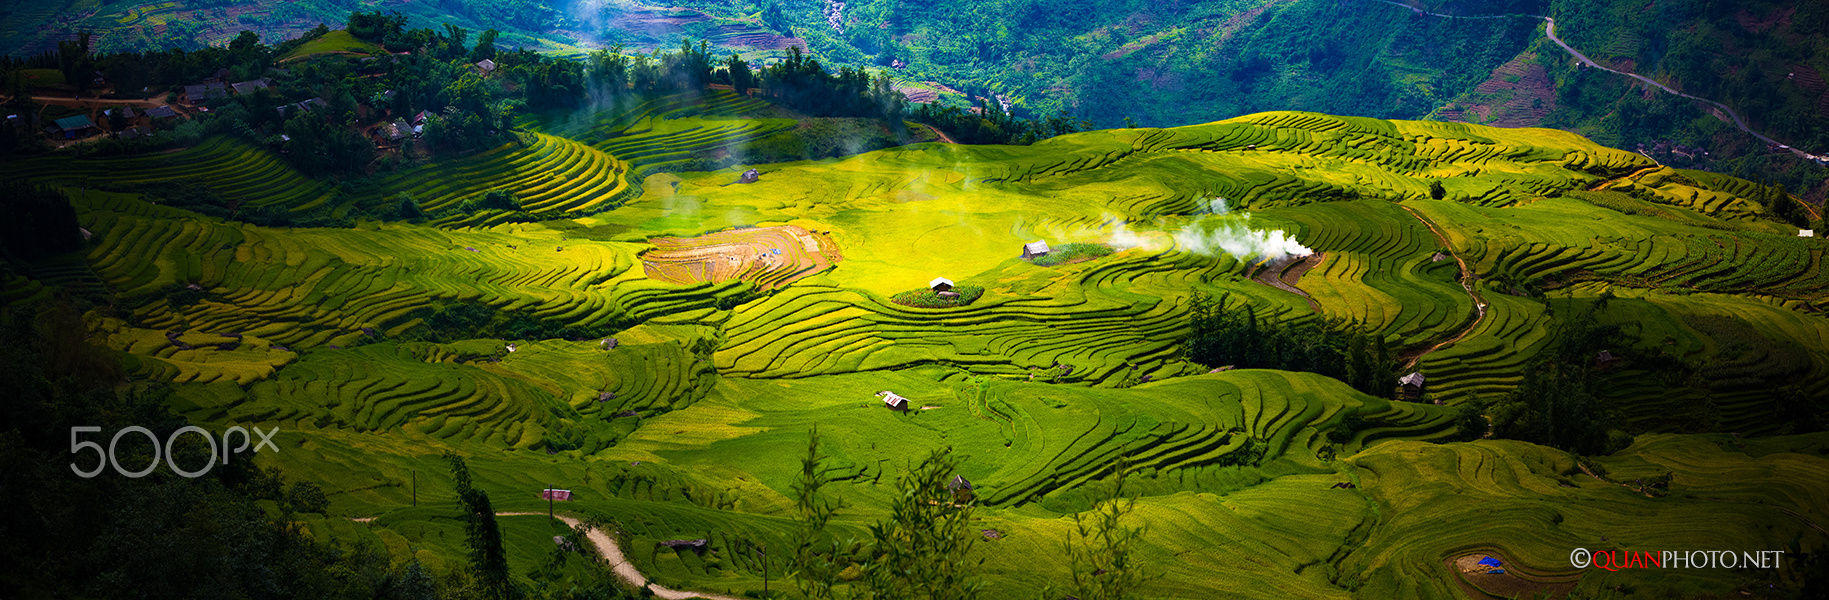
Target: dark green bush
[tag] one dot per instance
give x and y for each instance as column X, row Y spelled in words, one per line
column 926, row 298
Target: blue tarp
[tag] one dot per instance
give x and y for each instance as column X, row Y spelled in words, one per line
column 1496, row 572
column 1490, row 562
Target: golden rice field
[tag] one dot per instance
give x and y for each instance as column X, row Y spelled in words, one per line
column 744, row 315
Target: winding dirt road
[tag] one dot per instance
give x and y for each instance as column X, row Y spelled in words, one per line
column 1467, row 282
column 612, row 554
column 1284, row 274
column 1549, row 30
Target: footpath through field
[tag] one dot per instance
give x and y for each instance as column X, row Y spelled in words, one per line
column 1467, row 283
column 612, row 554
column 1549, row 30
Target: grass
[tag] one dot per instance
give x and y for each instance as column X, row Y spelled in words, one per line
column 335, row 42
column 1041, row 380
column 42, row 77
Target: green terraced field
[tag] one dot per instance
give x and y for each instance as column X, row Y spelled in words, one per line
column 690, row 425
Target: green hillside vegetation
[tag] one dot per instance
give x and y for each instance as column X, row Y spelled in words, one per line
column 378, row 345
column 337, row 42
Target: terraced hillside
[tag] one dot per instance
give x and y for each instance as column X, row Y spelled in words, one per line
column 675, row 397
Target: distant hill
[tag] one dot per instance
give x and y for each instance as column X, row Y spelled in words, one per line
column 1153, row 63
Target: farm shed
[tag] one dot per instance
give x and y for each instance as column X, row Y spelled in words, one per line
column 208, row 90
column 893, row 401
column 1412, row 385
column 244, row 88
column 1413, row 380
column 75, row 126
column 484, row 66
column 1035, row 249
column 697, row 545
column 940, row 284
column 961, row 489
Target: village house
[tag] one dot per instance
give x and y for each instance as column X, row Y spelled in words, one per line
column 1806, row 233
column 1412, row 385
column 202, row 92
column 697, row 546
column 893, row 401
column 161, row 112
column 250, row 87
column 483, row 67
column 74, row 127
column 961, row 489
column 1035, row 249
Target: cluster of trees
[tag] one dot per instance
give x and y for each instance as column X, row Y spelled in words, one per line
column 488, row 559
column 232, row 532
column 1154, row 61
column 1220, row 337
column 803, row 84
column 1558, row 404
column 40, row 221
column 920, row 551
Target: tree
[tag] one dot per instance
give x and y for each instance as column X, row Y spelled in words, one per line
column 407, row 207
column 40, row 221
column 608, row 71
column 74, row 61
column 244, row 43
column 1103, row 562
column 1436, row 191
column 816, row 564
column 487, row 558
column 493, row 200
column 318, row 145
column 375, row 26
column 741, row 79
column 920, row 551
column 485, row 46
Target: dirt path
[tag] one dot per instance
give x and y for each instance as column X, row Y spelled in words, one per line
column 1467, row 282
column 1549, row 30
column 1284, row 276
column 943, row 137
column 612, row 554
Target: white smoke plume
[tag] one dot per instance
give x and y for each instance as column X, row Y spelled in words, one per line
column 1217, row 230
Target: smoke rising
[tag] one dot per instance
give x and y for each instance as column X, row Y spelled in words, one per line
column 1210, row 233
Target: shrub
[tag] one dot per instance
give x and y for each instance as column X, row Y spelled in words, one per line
column 306, row 497
column 926, row 298
column 1072, row 253
column 493, row 199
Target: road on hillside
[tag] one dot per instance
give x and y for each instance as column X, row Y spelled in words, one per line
column 612, row 554
column 1468, row 282
column 1549, row 30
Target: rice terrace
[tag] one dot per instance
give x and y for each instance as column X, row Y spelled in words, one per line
column 477, row 301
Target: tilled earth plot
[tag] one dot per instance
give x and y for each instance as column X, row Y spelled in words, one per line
column 770, row 257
